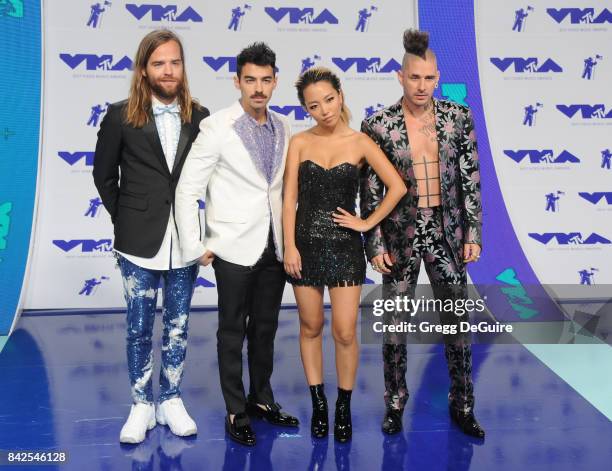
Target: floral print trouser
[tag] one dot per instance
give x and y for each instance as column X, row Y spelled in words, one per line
column 448, row 280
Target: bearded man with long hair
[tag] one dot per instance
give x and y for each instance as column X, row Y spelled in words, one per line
column 141, row 149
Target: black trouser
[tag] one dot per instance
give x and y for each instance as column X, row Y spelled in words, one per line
column 249, row 302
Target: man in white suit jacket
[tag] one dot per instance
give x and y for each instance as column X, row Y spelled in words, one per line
column 237, row 161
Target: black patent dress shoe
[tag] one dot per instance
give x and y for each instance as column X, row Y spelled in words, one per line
column 240, row 430
column 392, row 423
column 467, row 422
column 272, row 414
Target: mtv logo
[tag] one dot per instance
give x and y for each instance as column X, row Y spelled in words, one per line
column 366, row 64
column 529, row 64
column 571, row 238
column 301, row 15
column 541, row 156
column 580, row 15
column 299, row 114
column 596, row 197
column 73, row 157
column 87, row 245
column 95, row 62
column 163, row 13
column 586, row 111
column 216, row 63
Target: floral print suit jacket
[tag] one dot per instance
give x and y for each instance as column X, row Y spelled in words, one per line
column 459, row 183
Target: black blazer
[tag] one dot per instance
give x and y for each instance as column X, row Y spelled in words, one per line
column 139, row 197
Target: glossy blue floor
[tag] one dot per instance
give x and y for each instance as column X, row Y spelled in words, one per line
column 65, row 387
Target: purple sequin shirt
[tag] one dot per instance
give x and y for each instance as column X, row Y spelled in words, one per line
column 260, row 141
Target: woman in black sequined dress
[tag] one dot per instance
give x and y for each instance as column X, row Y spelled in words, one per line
column 323, row 245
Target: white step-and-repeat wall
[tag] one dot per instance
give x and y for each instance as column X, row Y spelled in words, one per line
column 544, row 72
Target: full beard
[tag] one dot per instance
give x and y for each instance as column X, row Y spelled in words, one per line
column 165, row 94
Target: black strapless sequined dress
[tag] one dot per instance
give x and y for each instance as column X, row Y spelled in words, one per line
column 331, row 255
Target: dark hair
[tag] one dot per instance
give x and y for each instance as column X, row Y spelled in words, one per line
column 258, row 53
column 139, row 100
column 416, row 42
column 321, row 74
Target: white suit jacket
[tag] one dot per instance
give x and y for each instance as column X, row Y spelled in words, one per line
column 239, row 200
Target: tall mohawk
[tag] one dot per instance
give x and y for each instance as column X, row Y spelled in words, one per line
column 416, row 42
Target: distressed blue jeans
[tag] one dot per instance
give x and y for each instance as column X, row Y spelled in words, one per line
column 140, row 289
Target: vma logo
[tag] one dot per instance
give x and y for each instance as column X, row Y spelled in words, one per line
column 163, row 13
column 530, row 114
column 370, row 110
column 586, row 111
column 309, row 62
column 552, row 201
column 203, row 283
column 364, row 65
column 96, row 11
column 364, row 18
column 569, row 238
column 11, row 8
column 296, row 112
column 595, row 198
column 606, row 159
column 235, row 23
column 301, row 15
column 93, row 209
column 529, row 64
column 542, row 156
column 86, row 245
column 217, row 63
column 580, row 16
column 588, row 72
column 73, row 157
column 90, row 286
column 97, row 111
column 94, row 62
column 520, row 18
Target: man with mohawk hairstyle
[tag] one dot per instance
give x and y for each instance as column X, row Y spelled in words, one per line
column 432, row 144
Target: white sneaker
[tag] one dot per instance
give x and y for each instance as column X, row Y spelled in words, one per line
column 141, row 419
column 172, row 413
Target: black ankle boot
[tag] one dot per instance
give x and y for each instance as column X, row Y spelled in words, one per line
column 343, row 427
column 319, row 425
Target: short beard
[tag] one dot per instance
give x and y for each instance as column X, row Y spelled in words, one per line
column 160, row 92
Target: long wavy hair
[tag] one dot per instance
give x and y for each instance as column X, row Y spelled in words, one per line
column 321, row 74
column 139, row 99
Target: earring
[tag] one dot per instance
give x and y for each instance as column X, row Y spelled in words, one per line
column 436, row 86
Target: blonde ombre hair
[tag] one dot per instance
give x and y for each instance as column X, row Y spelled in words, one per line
column 322, row 74
column 139, row 99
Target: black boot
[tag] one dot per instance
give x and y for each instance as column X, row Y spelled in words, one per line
column 466, row 422
column 319, row 425
column 392, row 423
column 343, row 427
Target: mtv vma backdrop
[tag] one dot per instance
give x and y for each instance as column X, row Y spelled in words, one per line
column 534, row 75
